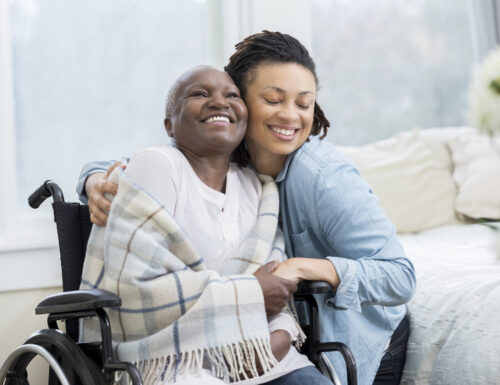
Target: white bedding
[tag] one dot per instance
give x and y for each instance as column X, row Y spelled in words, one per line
column 455, row 313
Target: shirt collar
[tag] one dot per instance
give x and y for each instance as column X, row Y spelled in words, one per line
column 281, row 176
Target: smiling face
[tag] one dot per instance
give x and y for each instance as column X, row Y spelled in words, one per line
column 280, row 99
column 208, row 116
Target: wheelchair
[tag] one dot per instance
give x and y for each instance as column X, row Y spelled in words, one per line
column 75, row 363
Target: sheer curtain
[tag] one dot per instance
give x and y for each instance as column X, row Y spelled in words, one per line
column 90, row 79
column 389, row 66
column 485, row 24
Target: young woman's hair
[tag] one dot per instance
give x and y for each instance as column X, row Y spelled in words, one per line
column 270, row 47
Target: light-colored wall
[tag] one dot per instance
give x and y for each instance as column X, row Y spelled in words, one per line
column 18, row 321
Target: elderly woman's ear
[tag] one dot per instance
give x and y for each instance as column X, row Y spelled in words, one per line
column 168, row 126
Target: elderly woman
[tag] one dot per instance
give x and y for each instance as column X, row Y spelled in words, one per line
column 187, row 248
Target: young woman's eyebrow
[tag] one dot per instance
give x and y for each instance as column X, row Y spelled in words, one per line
column 282, row 91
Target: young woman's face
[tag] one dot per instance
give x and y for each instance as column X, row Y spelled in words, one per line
column 280, row 99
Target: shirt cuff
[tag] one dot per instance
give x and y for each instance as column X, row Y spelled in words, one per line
column 346, row 295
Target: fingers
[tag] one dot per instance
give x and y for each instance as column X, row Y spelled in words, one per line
column 113, row 166
column 108, row 187
column 292, row 286
column 99, row 208
column 271, row 266
column 289, row 285
column 99, row 202
column 102, row 185
column 99, row 219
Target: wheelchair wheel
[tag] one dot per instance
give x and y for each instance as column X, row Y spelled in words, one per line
column 63, row 353
column 326, row 367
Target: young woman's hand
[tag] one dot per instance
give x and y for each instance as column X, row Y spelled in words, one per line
column 310, row 269
column 289, row 269
column 95, row 187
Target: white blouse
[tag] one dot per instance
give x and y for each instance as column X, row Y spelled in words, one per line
column 216, row 223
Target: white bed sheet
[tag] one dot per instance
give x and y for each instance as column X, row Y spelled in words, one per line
column 455, row 313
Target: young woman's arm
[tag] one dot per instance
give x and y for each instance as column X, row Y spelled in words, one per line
column 363, row 245
column 338, row 220
column 298, row 269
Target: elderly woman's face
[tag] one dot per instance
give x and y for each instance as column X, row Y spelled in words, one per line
column 210, row 117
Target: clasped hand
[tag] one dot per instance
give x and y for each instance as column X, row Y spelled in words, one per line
column 278, row 281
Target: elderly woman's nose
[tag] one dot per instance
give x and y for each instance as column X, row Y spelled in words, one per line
column 218, row 100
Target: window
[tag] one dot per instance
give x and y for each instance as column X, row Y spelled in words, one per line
column 388, row 66
column 91, row 73
column 83, row 81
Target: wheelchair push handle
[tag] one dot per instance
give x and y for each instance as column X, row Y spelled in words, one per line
column 47, row 189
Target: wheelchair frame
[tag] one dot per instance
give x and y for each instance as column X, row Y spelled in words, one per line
column 95, row 363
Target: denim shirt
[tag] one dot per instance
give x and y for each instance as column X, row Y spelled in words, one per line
column 329, row 211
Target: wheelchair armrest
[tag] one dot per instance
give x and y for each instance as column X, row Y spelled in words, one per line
column 77, row 300
column 312, row 287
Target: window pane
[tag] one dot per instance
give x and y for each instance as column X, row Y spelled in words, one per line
column 90, row 79
column 386, row 66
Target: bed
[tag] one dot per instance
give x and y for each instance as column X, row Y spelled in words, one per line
column 455, row 313
column 437, row 186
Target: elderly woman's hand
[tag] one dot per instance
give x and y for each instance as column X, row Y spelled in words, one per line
column 276, row 290
column 95, row 187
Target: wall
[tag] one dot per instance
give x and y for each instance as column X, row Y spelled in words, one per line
column 19, row 321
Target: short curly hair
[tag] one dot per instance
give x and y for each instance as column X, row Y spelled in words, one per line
column 270, row 47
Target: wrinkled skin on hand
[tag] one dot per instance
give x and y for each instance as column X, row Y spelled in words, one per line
column 276, row 290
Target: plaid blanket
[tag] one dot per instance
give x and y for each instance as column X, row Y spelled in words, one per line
column 177, row 315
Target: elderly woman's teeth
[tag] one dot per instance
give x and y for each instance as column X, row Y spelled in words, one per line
column 282, row 131
column 218, row 119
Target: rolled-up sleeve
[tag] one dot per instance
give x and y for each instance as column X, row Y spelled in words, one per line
column 366, row 253
column 87, row 170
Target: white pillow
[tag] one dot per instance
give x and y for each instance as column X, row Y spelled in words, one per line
column 477, row 174
column 436, row 140
column 415, row 191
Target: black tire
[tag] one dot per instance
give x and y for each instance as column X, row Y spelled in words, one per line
column 78, row 368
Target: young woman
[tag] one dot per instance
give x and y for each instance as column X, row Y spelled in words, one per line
column 333, row 223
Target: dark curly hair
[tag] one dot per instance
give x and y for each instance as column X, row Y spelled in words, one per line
column 270, row 47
